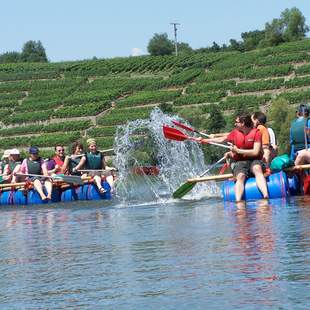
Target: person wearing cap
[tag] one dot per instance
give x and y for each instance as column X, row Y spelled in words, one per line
column 13, row 165
column 35, row 165
column 299, row 130
column 55, row 164
column 4, row 160
column 94, row 160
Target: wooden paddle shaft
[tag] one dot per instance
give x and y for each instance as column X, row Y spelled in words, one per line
column 230, row 175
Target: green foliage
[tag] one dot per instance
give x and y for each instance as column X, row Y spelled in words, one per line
column 54, row 127
column 146, row 97
column 280, row 114
column 160, row 45
column 199, row 98
column 216, row 121
column 33, row 52
column 10, row 57
column 258, row 85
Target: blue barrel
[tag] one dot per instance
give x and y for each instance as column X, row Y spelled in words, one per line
column 34, row 197
column 92, row 193
column 294, row 185
column 7, row 198
column 20, row 198
column 277, row 188
column 73, row 193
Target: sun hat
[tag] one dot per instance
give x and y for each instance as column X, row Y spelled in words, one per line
column 6, row 154
column 90, row 141
column 14, row 152
column 33, row 150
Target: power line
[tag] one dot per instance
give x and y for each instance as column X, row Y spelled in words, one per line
column 175, row 37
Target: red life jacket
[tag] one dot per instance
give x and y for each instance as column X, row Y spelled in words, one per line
column 59, row 162
column 244, row 142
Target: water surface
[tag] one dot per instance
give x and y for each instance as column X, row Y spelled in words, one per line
column 156, row 255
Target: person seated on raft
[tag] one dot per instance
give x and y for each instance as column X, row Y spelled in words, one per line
column 299, row 131
column 74, row 159
column 269, row 149
column 34, row 164
column 4, row 160
column 245, row 155
column 94, row 160
column 13, row 166
column 55, row 164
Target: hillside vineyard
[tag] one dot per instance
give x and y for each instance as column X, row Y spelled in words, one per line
column 47, row 103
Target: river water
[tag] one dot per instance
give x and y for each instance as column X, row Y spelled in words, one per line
column 164, row 254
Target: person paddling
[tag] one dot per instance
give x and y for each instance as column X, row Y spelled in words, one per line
column 34, row 164
column 94, row 160
column 259, row 120
column 74, row 159
column 299, row 139
column 245, row 155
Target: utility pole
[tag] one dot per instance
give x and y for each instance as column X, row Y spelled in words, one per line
column 175, row 37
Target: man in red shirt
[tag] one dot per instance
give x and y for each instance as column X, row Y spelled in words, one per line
column 245, row 154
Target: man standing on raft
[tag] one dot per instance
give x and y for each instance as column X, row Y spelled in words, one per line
column 245, row 155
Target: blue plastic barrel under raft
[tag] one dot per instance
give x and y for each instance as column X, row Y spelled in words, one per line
column 73, row 193
column 34, row 197
column 91, row 191
column 277, row 184
column 12, row 197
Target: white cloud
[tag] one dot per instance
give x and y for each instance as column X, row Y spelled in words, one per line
column 136, row 51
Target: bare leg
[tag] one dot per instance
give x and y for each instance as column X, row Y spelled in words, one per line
column 302, row 157
column 49, row 187
column 97, row 181
column 260, row 180
column 38, row 186
column 110, row 180
column 239, row 187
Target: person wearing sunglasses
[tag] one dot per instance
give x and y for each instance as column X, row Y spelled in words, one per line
column 245, row 154
column 55, row 164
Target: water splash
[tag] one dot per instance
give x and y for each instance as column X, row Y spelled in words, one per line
column 177, row 161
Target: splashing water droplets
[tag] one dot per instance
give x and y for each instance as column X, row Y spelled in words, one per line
column 177, row 161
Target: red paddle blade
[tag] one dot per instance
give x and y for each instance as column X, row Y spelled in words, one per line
column 174, row 134
column 225, row 166
column 183, row 126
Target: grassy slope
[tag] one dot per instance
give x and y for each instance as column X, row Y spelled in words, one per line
column 44, row 104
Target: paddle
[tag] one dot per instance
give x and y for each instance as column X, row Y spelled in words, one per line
column 190, row 128
column 175, row 134
column 188, row 186
column 65, row 178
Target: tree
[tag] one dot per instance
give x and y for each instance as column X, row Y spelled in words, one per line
column 184, row 48
column 290, row 26
column 251, row 39
column 33, row 52
column 160, row 45
column 10, row 57
column 280, row 116
column 295, row 27
column 216, row 122
column 235, row 45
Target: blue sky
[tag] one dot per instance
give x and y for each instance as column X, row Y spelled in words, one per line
column 72, row 30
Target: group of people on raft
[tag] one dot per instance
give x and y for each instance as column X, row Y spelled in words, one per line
column 253, row 146
column 90, row 163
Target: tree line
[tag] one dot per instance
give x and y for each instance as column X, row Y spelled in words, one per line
column 32, row 51
column 290, row 26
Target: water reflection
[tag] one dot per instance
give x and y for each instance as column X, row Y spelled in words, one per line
column 181, row 255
